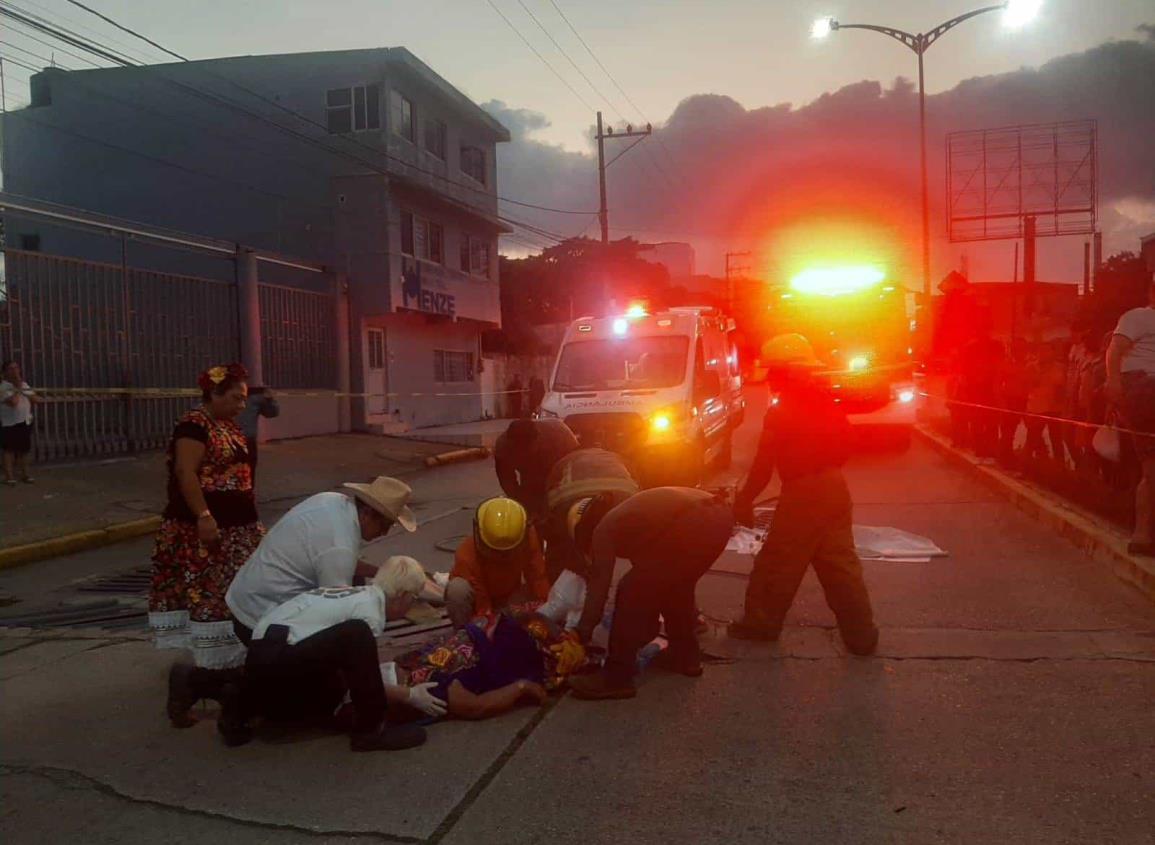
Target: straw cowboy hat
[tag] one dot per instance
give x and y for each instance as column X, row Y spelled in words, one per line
column 387, row 496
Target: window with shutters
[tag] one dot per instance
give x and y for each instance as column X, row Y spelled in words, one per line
column 422, row 238
column 452, row 366
column 356, row 109
column 404, row 117
column 474, row 256
column 473, row 163
column 435, row 137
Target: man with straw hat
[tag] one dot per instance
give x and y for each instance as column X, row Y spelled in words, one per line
column 317, row 544
column 806, row 439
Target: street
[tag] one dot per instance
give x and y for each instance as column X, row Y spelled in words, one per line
column 1010, row 702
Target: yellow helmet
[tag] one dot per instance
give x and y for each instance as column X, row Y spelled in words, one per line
column 501, row 524
column 574, row 516
column 789, row 350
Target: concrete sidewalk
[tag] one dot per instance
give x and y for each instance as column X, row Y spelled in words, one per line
column 106, row 501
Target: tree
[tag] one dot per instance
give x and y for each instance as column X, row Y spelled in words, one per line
column 1120, row 285
column 580, row 277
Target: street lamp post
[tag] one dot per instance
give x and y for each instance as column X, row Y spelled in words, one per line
column 1019, row 11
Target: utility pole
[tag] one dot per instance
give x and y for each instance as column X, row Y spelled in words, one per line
column 603, row 165
column 733, row 268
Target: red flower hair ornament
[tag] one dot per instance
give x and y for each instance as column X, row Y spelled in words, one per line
column 211, row 378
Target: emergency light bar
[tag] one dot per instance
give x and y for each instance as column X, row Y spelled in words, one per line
column 835, row 281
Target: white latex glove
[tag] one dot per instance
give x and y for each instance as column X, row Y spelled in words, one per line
column 421, row 698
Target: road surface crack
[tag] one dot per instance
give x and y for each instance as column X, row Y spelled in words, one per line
column 72, row 779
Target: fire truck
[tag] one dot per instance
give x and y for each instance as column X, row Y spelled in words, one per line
column 859, row 324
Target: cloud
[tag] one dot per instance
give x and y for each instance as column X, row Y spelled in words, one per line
column 719, row 172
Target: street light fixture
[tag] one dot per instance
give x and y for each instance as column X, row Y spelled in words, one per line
column 1015, row 14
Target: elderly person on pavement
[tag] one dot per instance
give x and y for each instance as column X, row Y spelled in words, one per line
column 307, row 654
column 317, row 544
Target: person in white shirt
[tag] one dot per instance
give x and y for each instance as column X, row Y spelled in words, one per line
column 1131, row 384
column 317, row 544
column 307, row 653
column 16, row 400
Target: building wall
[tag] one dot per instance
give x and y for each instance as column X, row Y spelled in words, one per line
column 410, row 342
column 156, row 145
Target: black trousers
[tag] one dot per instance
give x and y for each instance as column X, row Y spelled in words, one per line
column 309, row 680
column 663, row 586
column 812, row 526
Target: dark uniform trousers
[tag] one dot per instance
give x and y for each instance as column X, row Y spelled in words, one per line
column 664, row 585
column 308, row 680
column 812, row 526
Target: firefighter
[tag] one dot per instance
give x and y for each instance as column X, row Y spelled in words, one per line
column 806, row 438
column 671, row 536
column 581, row 474
column 500, row 565
column 525, row 454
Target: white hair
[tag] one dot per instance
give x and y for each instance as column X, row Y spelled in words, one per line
column 400, row 575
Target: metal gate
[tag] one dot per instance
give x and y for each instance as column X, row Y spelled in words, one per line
column 110, row 334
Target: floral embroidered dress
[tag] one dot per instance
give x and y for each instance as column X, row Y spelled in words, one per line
column 189, row 581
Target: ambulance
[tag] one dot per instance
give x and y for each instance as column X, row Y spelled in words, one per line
column 664, row 390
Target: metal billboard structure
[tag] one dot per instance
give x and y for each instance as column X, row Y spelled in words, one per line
column 1018, row 181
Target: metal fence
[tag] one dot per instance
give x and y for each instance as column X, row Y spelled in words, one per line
column 119, row 332
column 298, row 337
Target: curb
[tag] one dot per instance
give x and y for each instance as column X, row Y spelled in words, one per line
column 81, row 541
column 458, row 456
column 1097, row 540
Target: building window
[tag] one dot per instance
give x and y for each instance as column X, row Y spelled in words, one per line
column 422, row 238
column 354, row 109
column 451, row 367
column 473, row 163
column 403, row 117
column 376, row 349
column 475, row 256
column 407, row 233
column 435, row 135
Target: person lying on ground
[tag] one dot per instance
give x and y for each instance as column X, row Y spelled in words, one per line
column 499, row 565
column 484, row 671
column 307, row 654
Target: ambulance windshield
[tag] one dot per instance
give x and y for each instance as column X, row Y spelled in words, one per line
column 632, row 363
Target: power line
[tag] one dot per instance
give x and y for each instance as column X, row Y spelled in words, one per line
column 61, row 35
column 19, row 63
column 316, row 142
column 573, row 64
column 612, row 79
column 52, row 46
column 123, row 47
column 131, row 32
column 544, row 61
column 51, row 61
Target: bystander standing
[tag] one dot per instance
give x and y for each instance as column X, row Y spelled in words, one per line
column 16, row 401
column 1131, row 383
column 262, row 403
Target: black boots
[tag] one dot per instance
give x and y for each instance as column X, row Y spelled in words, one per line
column 189, row 684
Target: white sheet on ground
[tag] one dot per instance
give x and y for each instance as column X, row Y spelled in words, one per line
column 872, row 542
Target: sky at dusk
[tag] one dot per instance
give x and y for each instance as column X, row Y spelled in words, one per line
column 748, row 107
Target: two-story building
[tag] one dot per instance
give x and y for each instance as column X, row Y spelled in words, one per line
column 365, row 161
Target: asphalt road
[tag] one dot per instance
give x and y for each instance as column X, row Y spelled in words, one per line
column 1011, row 702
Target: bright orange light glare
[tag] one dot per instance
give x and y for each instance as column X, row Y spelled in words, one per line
column 660, row 422
column 859, row 362
column 636, row 311
column 906, row 396
column 833, row 281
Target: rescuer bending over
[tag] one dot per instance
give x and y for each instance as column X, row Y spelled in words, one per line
column 806, row 438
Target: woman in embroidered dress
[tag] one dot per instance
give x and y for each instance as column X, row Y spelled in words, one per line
column 209, row 530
